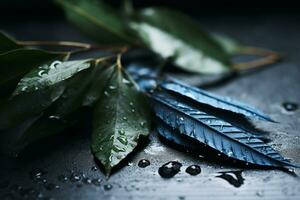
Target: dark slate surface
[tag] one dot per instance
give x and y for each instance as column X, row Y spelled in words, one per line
column 266, row 89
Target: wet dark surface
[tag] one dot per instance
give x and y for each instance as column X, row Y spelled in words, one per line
column 65, row 168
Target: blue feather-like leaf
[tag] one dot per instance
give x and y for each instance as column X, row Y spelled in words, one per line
column 206, row 98
column 214, row 132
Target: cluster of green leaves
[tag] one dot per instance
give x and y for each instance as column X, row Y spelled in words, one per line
column 167, row 32
column 47, row 90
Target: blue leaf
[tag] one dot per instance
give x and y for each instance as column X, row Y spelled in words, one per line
column 224, row 103
column 214, row 132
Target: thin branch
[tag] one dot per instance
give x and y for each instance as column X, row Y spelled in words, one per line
column 268, row 57
column 82, row 46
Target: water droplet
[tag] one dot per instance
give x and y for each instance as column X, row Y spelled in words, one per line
column 62, row 178
column 193, row 170
column 54, row 64
column 121, row 132
column 94, row 168
column 290, row 106
column 107, row 187
column 111, row 87
column 54, row 117
column 131, row 104
column 233, row 177
column 124, row 118
column 75, row 178
column 169, row 169
column 106, row 93
column 24, row 88
column 142, row 124
column 181, row 118
column 40, row 73
column 229, row 153
column 87, row 181
column 123, row 140
column 132, row 110
column 124, row 80
column 97, row 181
column 143, row 163
column 37, row 174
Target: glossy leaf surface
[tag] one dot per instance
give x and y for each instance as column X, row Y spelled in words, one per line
column 49, row 74
column 14, row 64
column 120, row 118
column 97, row 19
column 216, row 133
column 203, row 97
column 177, row 37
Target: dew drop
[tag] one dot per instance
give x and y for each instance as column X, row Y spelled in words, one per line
column 87, row 181
column 40, row 73
column 181, row 118
column 132, row 110
column 169, row 169
column 37, row 174
column 94, row 168
column 290, row 106
column 97, row 181
column 111, row 87
column 107, row 187
column 75, row 178
column 54, row 64
column 121, row 132
column 124, row 80
column 62, row 178
column 106, row 93
column 143, row 163
column 131, row 104
column 24, row 88
column 193, row 170
column 142, row 124
column 54, row 117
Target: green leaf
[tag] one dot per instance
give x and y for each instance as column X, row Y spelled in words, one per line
column 26, row 105
column 44, row 126
column 74, row 94
column 173, row 35
column 229, row 45
column 120, row 118
column 7, row 43
column 50, row 74
column 14, row 64
column 96, row 19
column 102, row 74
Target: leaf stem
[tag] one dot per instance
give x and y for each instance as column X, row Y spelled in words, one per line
column 81, row 45
column 119, row 64
column 268, row 57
